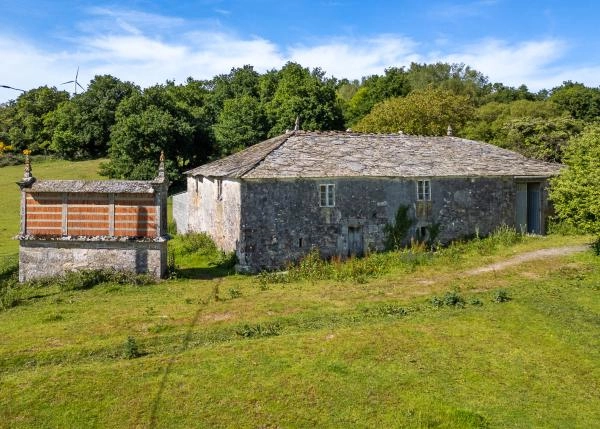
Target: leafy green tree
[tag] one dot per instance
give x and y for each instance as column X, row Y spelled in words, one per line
column 375, row 89
column 244, row 81
column 576, row 191
column 303, row 93
column 241, row 123
column 425, row 112
column 457, row 78
column 501, row 93
column 83, row 124
column 580, row 101
column 169, row 118
column 544, row 139
column 26, row 123
column 539, row 129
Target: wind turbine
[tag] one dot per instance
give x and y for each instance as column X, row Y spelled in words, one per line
column 74, row 82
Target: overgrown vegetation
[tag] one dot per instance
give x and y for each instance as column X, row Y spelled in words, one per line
column 395, row 234
column 360, row 270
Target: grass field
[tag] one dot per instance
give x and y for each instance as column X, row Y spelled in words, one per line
column 422, row 344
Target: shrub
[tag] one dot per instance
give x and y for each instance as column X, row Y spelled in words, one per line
column 501, row 295
column 396, row 233
column 596, row 246
column 234, row 293
column 130, row 348
column 453, row 299
column 197, row 242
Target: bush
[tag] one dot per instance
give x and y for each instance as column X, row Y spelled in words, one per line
column 596, row 246
column 131, row 349
column 396, row 233
column 198, row 242
column 501, row 295
column 453, row 299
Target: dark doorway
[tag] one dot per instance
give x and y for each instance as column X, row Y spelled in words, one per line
column 355, row 241
column 534, row 224
column 529, row 208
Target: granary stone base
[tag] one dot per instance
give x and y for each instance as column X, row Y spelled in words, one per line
column 42, row 258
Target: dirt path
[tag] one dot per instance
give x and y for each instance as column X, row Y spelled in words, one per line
column 529, row 256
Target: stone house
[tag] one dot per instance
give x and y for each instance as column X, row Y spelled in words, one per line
column 71, row 225
column 337, row 191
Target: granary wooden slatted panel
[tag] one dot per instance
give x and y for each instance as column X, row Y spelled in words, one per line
column 44, row 214
column 88, row 214
column 135, row 215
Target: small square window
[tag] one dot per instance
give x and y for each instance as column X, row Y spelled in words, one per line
column 327, row 195
column 423, row 190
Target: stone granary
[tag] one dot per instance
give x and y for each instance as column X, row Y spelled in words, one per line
column 337, row 191
column 71, row 225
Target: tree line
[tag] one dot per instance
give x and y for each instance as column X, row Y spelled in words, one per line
column 202, row 120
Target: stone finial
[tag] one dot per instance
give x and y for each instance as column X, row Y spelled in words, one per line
column 161, row 166
column 297, row 123
column 449, row 131
column 27, row 173
column 28, row 178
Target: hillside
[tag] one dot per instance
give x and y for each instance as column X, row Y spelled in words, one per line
column 477, row 335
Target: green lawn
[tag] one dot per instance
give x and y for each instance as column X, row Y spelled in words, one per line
column 241, row 352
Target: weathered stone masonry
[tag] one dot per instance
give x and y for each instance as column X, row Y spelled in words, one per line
column 276, row 200
column 72, row 225
column 281, row 220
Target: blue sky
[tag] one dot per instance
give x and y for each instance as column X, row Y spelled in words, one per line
column 536, row 43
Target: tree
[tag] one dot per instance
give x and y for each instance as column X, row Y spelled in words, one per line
column 27, row 119
column 426, row 112
column 580, row 101
column 303, row 93
column 169, row 118
column 538, row 129
column 458, row 78
column 375, row 89
column 241, row 123
column 576, row 191
column 83, row 124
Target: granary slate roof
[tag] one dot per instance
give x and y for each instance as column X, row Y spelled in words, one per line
column 344, row 154
column 100, row 186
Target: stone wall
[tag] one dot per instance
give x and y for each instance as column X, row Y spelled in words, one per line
column 41, row 258
column 281, row 220
column 180, row 211
column 217, row 214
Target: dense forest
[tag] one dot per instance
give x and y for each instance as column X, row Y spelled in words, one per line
column 202, row 120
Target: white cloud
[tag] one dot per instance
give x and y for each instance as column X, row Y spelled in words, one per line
column 149, row 49
column 529, row 63
column 356, row 58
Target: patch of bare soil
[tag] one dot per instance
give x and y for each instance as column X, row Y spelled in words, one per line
column 529, row 256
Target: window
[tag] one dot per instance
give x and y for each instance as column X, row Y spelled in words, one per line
column 423, row 190
column 327, row 195
column 219, row 189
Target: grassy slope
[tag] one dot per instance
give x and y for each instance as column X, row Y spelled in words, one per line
column 9, row 215
column 344, row 354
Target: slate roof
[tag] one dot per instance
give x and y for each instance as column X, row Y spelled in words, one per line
column 345, row 154
column 100, row 186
